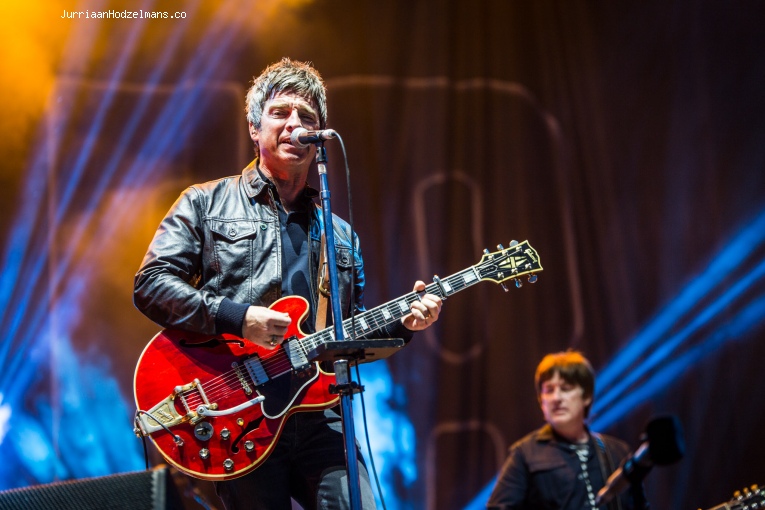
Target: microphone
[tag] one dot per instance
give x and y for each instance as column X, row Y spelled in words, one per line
column 663, row 444
column 302, row 137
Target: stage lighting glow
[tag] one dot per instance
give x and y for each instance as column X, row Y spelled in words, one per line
column 46, row 267
column 45, row 273
column 5, row 416
column 30, row 48
column 656, row 344
column 92, row 412
column 391, row 433
column 91, row 138
column 734, row 329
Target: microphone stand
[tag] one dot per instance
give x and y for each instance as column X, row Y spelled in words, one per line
column 345, row 388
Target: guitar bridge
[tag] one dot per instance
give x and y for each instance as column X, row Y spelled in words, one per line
column 296, row 355
column 242, row 380
column 164, row 414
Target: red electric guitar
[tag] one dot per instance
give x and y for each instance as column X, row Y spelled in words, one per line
column 214, row 405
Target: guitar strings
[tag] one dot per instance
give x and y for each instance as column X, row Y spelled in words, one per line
column 278, row 363
column 225, row 384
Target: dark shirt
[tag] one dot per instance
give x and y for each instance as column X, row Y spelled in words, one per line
column 295, row 252
column 544, row 472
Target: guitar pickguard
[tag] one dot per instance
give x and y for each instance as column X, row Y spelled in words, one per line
column 281, row 392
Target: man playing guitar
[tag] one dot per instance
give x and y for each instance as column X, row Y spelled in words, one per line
column 224, row 254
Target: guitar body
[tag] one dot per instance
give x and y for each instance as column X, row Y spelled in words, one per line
column 232, row 445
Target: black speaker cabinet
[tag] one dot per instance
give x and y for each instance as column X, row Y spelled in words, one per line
column 149, row 490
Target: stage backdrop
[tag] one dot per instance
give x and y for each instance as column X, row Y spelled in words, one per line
column 623, row 140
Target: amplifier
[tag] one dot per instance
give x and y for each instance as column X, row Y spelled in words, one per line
column 149, row 490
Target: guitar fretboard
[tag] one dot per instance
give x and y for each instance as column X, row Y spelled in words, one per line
column 380, row 316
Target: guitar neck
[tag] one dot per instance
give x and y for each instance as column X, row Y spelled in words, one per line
column 392, row 311
column 506, row 264
column 378, row 317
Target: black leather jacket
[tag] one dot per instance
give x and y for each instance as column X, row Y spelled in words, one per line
column 542, row 472
column 218, row 250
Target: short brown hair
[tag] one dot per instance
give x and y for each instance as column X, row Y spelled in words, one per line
column 286, row 75
column 573, row 368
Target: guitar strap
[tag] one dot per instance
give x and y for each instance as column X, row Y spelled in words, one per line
column 322, row 286
column 606, row 467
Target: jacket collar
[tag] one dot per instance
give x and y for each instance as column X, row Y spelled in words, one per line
column 547, row 435
column 257, row 183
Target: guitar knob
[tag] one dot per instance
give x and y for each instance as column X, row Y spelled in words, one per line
column 203, row 431
column 533, row 278
column 228, row 465
column 204, row 454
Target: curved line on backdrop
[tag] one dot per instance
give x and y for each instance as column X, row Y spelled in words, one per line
column 458, row 426
column 560, row 164
column 423, row 251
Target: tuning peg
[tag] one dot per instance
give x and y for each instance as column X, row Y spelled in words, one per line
column 518, row 283
column 513, row 243
column 485, row 251
column 504, row 287
column 500, row 247
column 533, row 278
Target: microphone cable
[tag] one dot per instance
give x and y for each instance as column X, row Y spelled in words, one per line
column 353, row 317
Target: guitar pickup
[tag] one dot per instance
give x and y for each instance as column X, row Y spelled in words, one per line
column 255, row 369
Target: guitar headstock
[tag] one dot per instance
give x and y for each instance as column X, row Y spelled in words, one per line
column 519, row 259
column 751, row 497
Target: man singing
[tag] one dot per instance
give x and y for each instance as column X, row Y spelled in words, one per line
column 229, row 248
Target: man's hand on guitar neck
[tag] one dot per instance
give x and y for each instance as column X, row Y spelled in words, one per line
column 265, row 327
column 424, row 312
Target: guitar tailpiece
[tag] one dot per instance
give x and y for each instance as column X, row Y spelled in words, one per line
column 139, row 432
